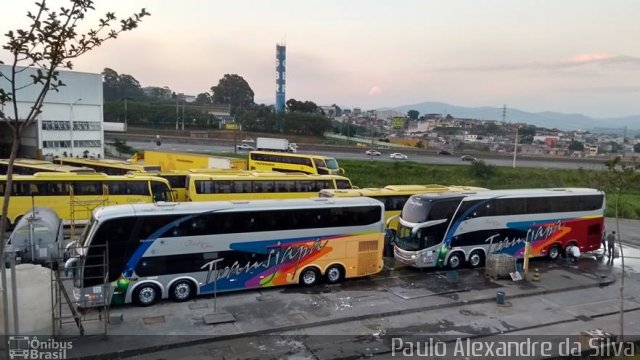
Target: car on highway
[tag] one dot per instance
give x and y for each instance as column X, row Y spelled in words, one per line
column 245, row 147
column 468, row 158
column 444, row 152
column 373, row 152
column 398, row 156
column 248, row 141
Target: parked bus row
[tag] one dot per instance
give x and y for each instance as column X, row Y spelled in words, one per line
column 257, row 161
column 181, row 250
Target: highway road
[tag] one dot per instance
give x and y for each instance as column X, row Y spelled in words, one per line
column 412, row 154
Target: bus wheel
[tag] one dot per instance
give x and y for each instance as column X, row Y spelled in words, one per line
column 182, row 290
column 554, row 252
column 334, row 274
column 309, row 277
column 146, row 295
column 455, row 261
column 476, row 259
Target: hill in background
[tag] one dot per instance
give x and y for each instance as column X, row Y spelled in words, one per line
column 547, row 119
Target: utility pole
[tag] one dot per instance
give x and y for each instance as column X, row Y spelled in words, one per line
column 183, row 102
column 177, row 111
column 504, row 113
column 515, row 147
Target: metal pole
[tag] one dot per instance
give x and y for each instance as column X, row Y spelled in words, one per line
column 5, row 296
column 14, row 296
column 215, row 285
column 515, row 147
column 177, row 112
column 183, row 102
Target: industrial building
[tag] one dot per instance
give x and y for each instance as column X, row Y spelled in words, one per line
column 71, row 122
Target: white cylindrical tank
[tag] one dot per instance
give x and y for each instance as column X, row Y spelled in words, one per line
column 33, row 299
column 37, row 237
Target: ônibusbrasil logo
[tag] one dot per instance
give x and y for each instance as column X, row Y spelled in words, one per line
column 31, row 348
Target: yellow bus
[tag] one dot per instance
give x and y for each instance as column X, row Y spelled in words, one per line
column 74, row 196
column 168, row 160
column 32, row 166
column 286, row 162
column 394, row 196
column 106, row 166
column 178, row 178
column 260, row 185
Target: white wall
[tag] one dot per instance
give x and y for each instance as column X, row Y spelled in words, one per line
column 79, row 101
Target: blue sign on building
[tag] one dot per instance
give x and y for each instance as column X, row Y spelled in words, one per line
column 281, row 75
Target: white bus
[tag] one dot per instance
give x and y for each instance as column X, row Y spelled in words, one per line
column 179, row 250
column 450, row 229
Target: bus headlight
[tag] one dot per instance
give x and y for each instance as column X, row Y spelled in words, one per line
column 413, row 257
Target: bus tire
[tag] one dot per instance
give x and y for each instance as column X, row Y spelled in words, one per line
column 476, row 259
column 146, row 295
column 554, row 252
column 309, row 276
column 455, row 261
column 182, row 290
column 334, row 274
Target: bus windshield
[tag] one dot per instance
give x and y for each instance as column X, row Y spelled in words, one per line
column 419, row 210
column 424, row 238
column 332, row 164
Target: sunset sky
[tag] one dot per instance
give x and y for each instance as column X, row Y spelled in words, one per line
column 580, row 56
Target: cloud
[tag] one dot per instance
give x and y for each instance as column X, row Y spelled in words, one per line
column 375, row 90
column 623, row 89
column 580, row 60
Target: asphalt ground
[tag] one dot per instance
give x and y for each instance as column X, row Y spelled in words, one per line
column 362, row 317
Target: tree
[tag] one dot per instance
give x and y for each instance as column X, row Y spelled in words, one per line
column 576, row 146
column 618, row 176
column 527, row 133
column 50, row 42
column 116, row 87
column 309, row 107
column 413, row 114
column 203, row 99
column 636, row 148
column 234, row 90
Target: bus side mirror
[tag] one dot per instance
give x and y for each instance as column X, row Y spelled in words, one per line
column 341, row 170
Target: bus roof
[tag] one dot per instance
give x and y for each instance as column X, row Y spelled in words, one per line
column 272, row 175
column 163, row 208
column 512, row 193
column 392, row 190
column 44, row 165
column 291, row 155
column 75, row 176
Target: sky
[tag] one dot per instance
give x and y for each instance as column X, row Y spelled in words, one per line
column 573, row 56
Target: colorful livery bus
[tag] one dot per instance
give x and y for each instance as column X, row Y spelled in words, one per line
column 260, row 185
column 453, row 228
column 180, row 250
column 285, row 162
column 106, row 166
column 32, row 166
column 395, row 196
column 74, row 196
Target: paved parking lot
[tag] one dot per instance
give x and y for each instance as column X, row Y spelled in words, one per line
column 300, row 322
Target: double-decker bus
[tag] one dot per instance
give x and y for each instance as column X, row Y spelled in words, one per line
column 285, row 162
column 395, row 196
column 32, row 166
column 260, row 185
column 74, row 196
column 180, row 250
column 107, row 166
column 453, row 228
